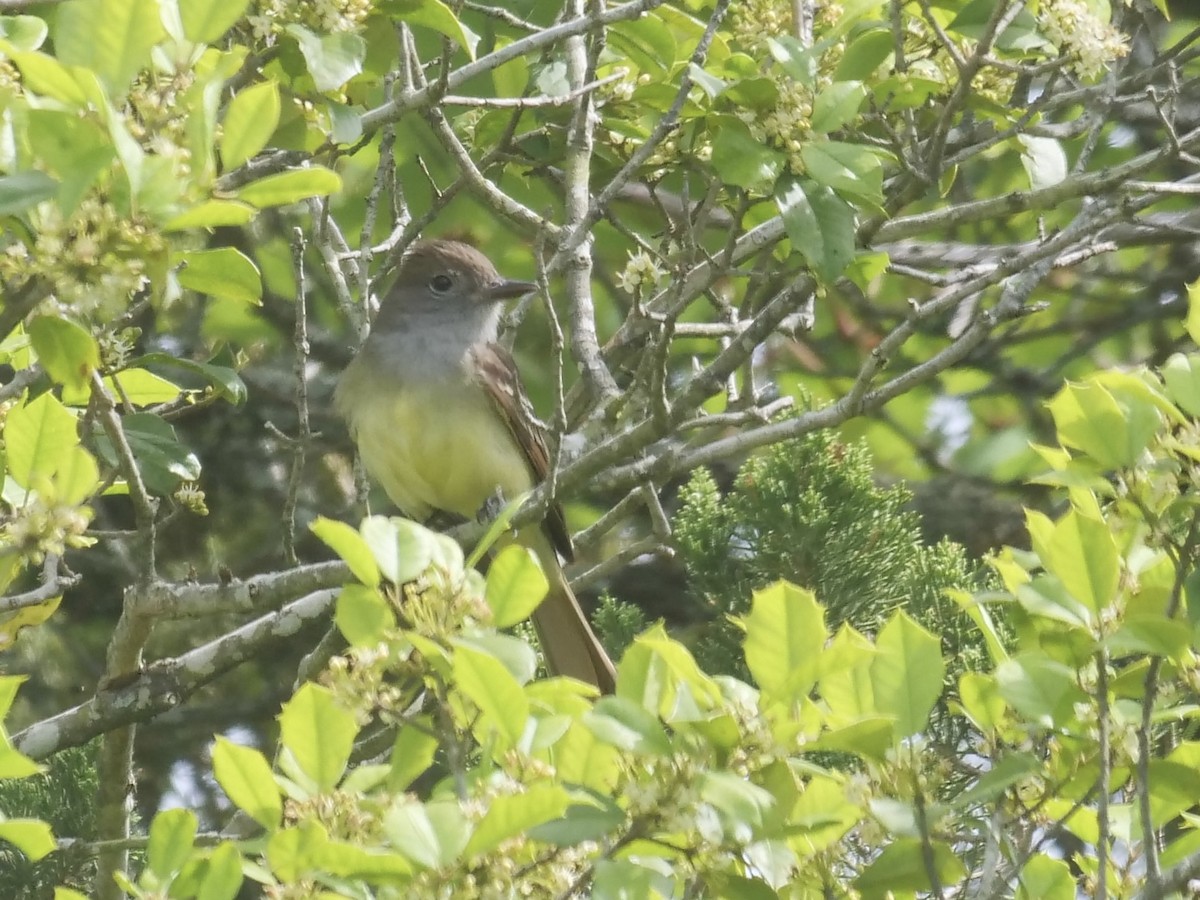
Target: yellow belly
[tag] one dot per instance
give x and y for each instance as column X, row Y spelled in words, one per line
column 443, row 448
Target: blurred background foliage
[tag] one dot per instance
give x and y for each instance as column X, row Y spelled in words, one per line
column 111, row 184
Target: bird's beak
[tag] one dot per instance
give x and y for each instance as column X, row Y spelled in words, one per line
column 509, row 290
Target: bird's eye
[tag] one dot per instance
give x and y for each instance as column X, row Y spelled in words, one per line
column 439, row 284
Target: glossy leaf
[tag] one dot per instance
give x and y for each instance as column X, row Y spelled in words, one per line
column 224, row 272
column 351, row 546
column 785, row 632
column 362, row 615
column 901, row 867
column 515, row 586
column 223, row 874
column 204, row 21
column 318, row 733
column 22, row 190
column 836, row 105
column 249, row 123
column 741, row 159
column 332, row 59
column 38, row 438
column 490, row 686
column 66, row 350
column 290, row 187
column 172, row 833
column 245, row 776
column 820, row 225
column 514, row 814
column 113, row 38
column 402, row 549
column 32, row 837
column 436, row 15
column 906, row 673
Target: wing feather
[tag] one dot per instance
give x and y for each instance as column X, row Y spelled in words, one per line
column 500, row 379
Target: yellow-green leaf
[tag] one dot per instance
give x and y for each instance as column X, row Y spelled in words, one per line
column 249, row 123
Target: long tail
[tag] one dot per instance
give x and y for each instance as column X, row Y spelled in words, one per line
column 568, row 642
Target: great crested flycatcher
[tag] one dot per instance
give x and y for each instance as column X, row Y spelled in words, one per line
column 442, row 422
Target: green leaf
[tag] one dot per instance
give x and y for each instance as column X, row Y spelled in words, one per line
column 294, row 852
column 1045, row 878
column 1114, row 433
column 318, row 733
column 402, row 548
column 74, row 149
column 223, row 874
column 901, row 868
column 249, row 123
column 141, row 387
column 433, row 14
column 1182, row 377
column 741, row 159
column 289, row 187
column 785, row 632
column 740, row 805
column 646, row 41
column 1192, row 321
column 819, row 224
column 515, row 586
column 431, row 834
column 362, row 615
column 412, row 755
column 490, row 686
column 1151, row 635
column 836, row 105
column 32, row 837
column 245, row 776
column 172, row 835
column 163, row 461
column 981, row 700
column 38, row 439
column 1039, row 688
column 625, row 725
column 582, row 822
column 46, row 76
column 66, row 350
column 225, row 272
column 14, row 764
column 1011, row 769
column 510, row 815
column 23, row 32
column 204, row 21
column 1082, row 552
column 907, row 673
column 864, row 54
column 351, row 546
column 211, row 214
column 113, row 38
column 850, row 168
column 226, row 380
column 332, row 59
column 799, row 61
column 25, row 189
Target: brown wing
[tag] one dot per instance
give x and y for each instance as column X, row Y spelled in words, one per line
column 498, row 376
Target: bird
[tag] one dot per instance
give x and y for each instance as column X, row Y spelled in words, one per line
column 442, row 422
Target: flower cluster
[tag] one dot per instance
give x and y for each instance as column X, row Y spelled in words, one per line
column 753, row 21
column 43, row 528
column 1080, row 33
column 642, row 271
column 95, row 259
column 270, row 17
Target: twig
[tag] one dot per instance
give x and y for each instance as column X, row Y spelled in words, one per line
column 52, row 586
column 299, row 444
